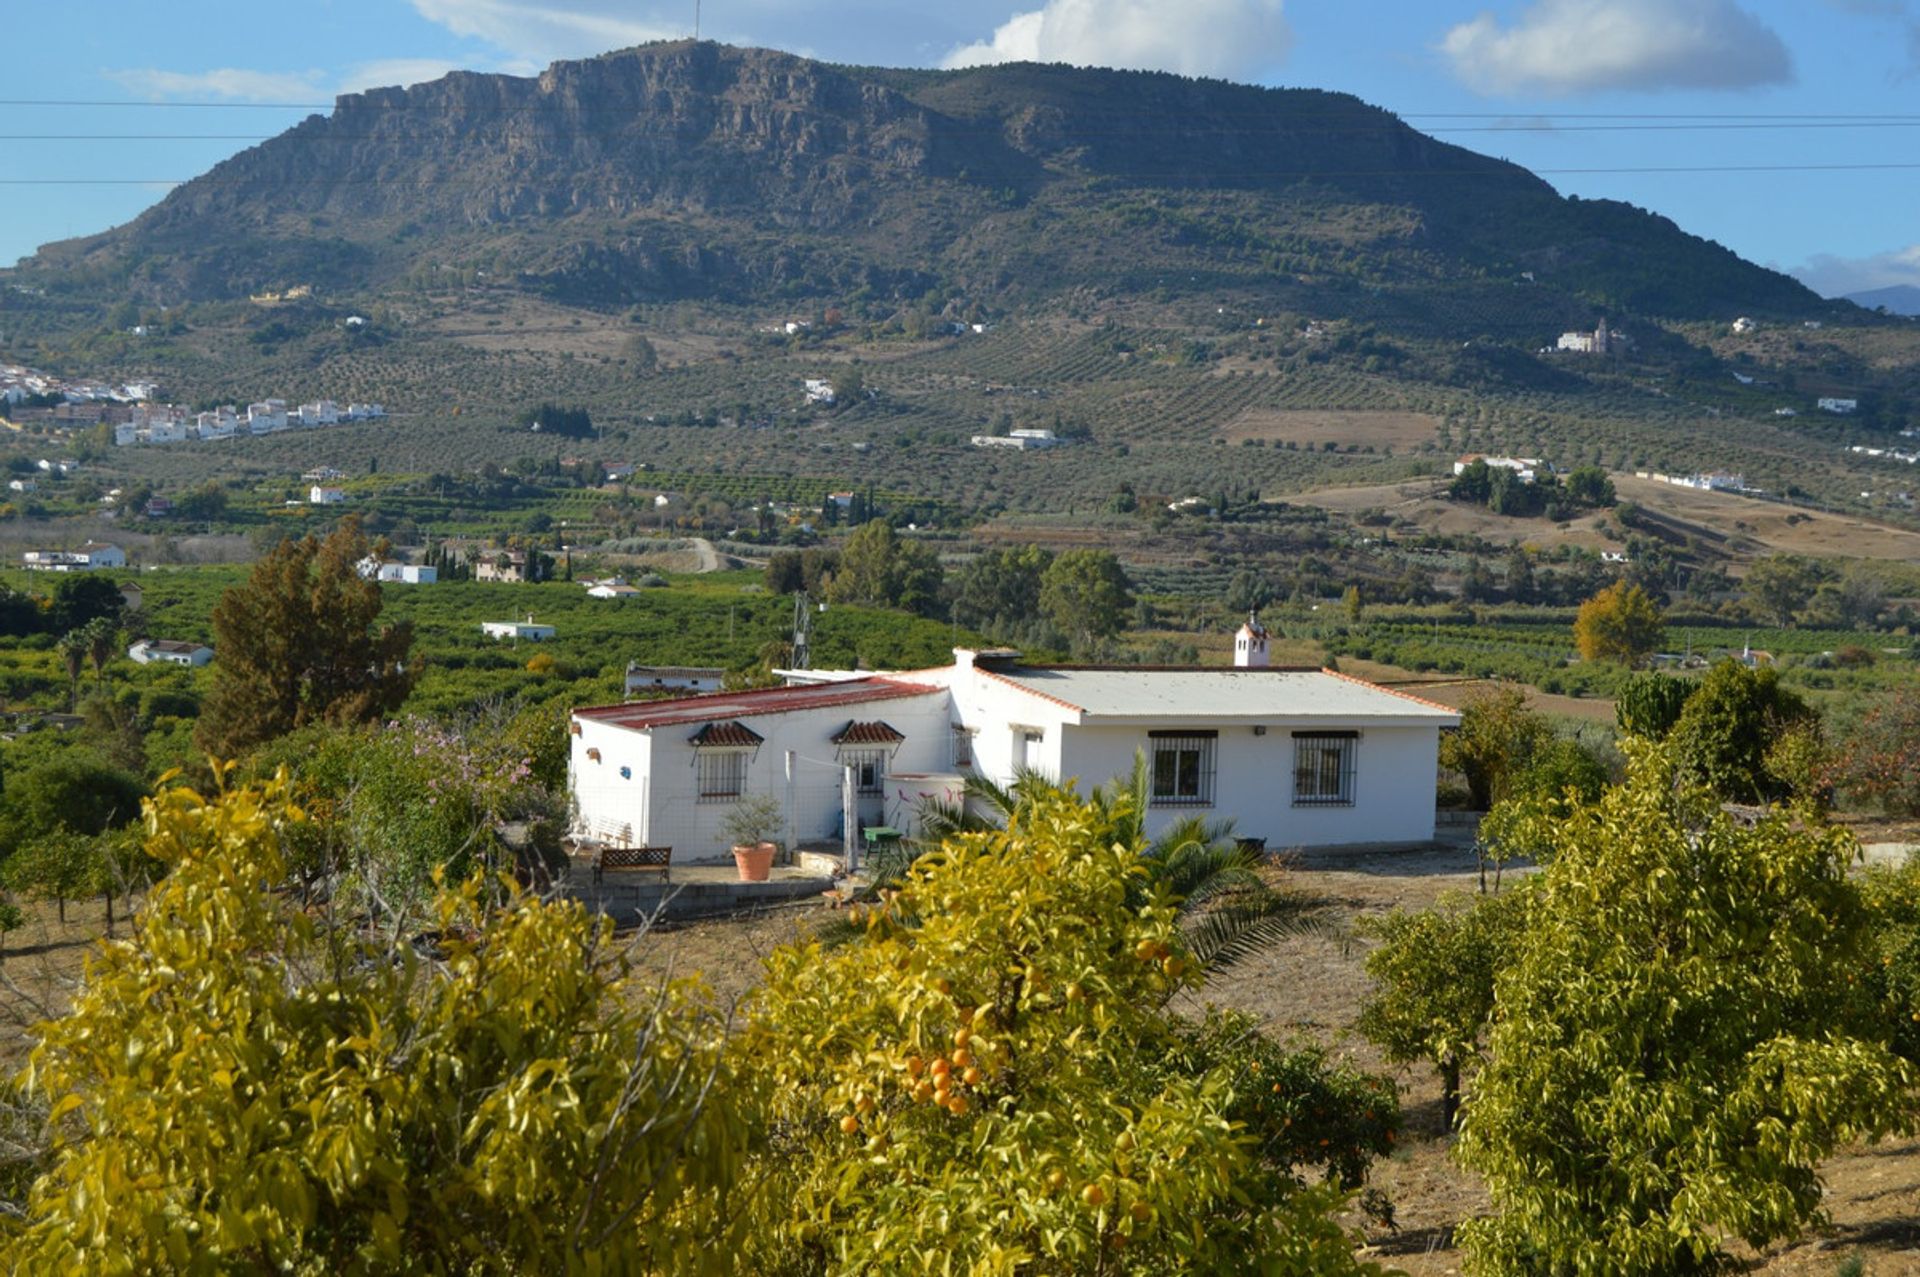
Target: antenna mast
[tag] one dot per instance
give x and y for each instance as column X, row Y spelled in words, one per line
column 696, row 19
column 802, row 631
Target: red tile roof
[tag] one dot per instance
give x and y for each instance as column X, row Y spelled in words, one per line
column 716, row 706
column 731, row 734
column 874, row 733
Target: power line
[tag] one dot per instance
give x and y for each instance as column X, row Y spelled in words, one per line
column 1509, row 171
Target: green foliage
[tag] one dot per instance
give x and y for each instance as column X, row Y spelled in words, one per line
column 58, row 865
column 1779, row 586
column 1621, row 623
column 985, row 1071
column 879, row 568
column 999, row 592
column 1301, row 1107
column 1679, row 1039
column 1433, row 979
column 297, row 645
column 1721, row 738
column 1086, row 595
column 81, row 597
column 351, row 1106
column 1649, row 704
column 74, row 791
column 572, row 422
column 1495, row 741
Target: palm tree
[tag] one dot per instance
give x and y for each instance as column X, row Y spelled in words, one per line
column 1229, row 909
column 102, row 638
column 73, row 654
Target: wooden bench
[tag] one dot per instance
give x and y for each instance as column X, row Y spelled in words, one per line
column 652, row 859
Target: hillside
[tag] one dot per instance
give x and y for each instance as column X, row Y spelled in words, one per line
column 686, row 170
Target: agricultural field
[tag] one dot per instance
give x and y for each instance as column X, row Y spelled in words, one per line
column 1386, row 431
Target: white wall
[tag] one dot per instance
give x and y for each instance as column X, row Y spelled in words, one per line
column 1394, row 773
column 661, row 801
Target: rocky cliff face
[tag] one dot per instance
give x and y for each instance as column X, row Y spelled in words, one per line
column 688, row 169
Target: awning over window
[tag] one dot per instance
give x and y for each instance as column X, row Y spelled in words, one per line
column 730, row 735
column 874, row 733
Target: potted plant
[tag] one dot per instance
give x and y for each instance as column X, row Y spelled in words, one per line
column 751, row 824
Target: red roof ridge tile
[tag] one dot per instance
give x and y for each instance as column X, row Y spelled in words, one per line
column 1391, row 691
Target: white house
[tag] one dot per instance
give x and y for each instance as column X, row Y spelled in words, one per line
column 170, row 652
column 324, row 413
column 124, row 433
column 1298, row 757
column 1525, row 469
column 644, row 679
column 1840, row 406
column 323, row 494
column 23, row 485
column 267, row 416
column 1023, row 440
column 610, row 589
column 517, row 630
column 89, row 557
column 398, row 573
column 1744, row 325
column 819, row 390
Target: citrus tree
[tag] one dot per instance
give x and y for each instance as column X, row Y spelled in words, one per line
column 285, row 1094
column 1679, row 1037
column 1433, row 975
column 984, row 1081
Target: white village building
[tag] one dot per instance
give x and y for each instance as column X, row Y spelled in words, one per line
column 1298, row 757
column 89, row 557
column 650, row 680
column 150, row 651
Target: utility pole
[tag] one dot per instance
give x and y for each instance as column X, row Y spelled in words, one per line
column 802, row 631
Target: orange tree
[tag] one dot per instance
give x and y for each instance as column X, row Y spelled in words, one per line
column 240, row 1086
column 1680, row 1035
column 981, row 1081
column 1621, row 623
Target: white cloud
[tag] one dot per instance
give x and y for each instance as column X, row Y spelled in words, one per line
column 226, row 83
column 545, row 32
column 1232, row 39
column 1576, row 46
column 1832, row 276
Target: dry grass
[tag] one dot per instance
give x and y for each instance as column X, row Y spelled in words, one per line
column 1402, row 431
column 1743, row 528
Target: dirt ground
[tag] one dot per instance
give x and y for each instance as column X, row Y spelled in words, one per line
column 1743, row 526
column 1402, row 431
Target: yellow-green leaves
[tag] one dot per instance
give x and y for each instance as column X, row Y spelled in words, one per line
column 978, row 1084
column 1680, row 1037
column 476, row 1094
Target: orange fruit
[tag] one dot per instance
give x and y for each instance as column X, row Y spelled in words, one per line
column 915, row 1065
column 1093, row 1195
column 957, row 1106
column 1141, row 1212
column 1075, row 993
column 972, row 1077
column 962, row 1058
column 849, row 1123
column 961, row 1037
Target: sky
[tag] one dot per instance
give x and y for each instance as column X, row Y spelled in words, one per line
column 1785, row 129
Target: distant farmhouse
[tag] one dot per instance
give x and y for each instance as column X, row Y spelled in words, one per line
column 1525, row 469
column 1601, row 341
column 526, row 629
column 89, row 557
column 169, row 652
column 1020, row 439
column 1840, row 407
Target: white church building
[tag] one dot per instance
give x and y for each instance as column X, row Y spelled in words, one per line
column 1297, row 757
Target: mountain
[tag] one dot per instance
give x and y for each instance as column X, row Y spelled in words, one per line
column 695, row 170
column 1898, row 299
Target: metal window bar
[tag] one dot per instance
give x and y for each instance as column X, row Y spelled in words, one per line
column 869, row 769
column 722, row 774
column 1323, row 768
column 1182, row 769
column 962, row 748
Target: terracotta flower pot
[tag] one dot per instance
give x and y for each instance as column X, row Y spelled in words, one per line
column 754, row 861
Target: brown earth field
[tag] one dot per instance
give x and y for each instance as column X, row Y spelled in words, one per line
column 1741, row 527
column 1309, row 427
column 1308, row 989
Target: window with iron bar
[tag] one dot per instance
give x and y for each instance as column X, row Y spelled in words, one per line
column 869, row 769
column 722, row 774
column 1323, row 768
column 962, row 747
column 1181, row 768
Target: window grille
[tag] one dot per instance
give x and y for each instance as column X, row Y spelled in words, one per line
column 722, row 774
column 962, row 748
column 1323, row 768
column 869, row 769
column 1182, row 768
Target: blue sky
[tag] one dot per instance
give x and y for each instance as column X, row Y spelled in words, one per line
column 1775, row 99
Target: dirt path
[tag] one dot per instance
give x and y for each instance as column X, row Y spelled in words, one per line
column 708, row 558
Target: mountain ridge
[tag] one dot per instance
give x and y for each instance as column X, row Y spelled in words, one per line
column 689, row 169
